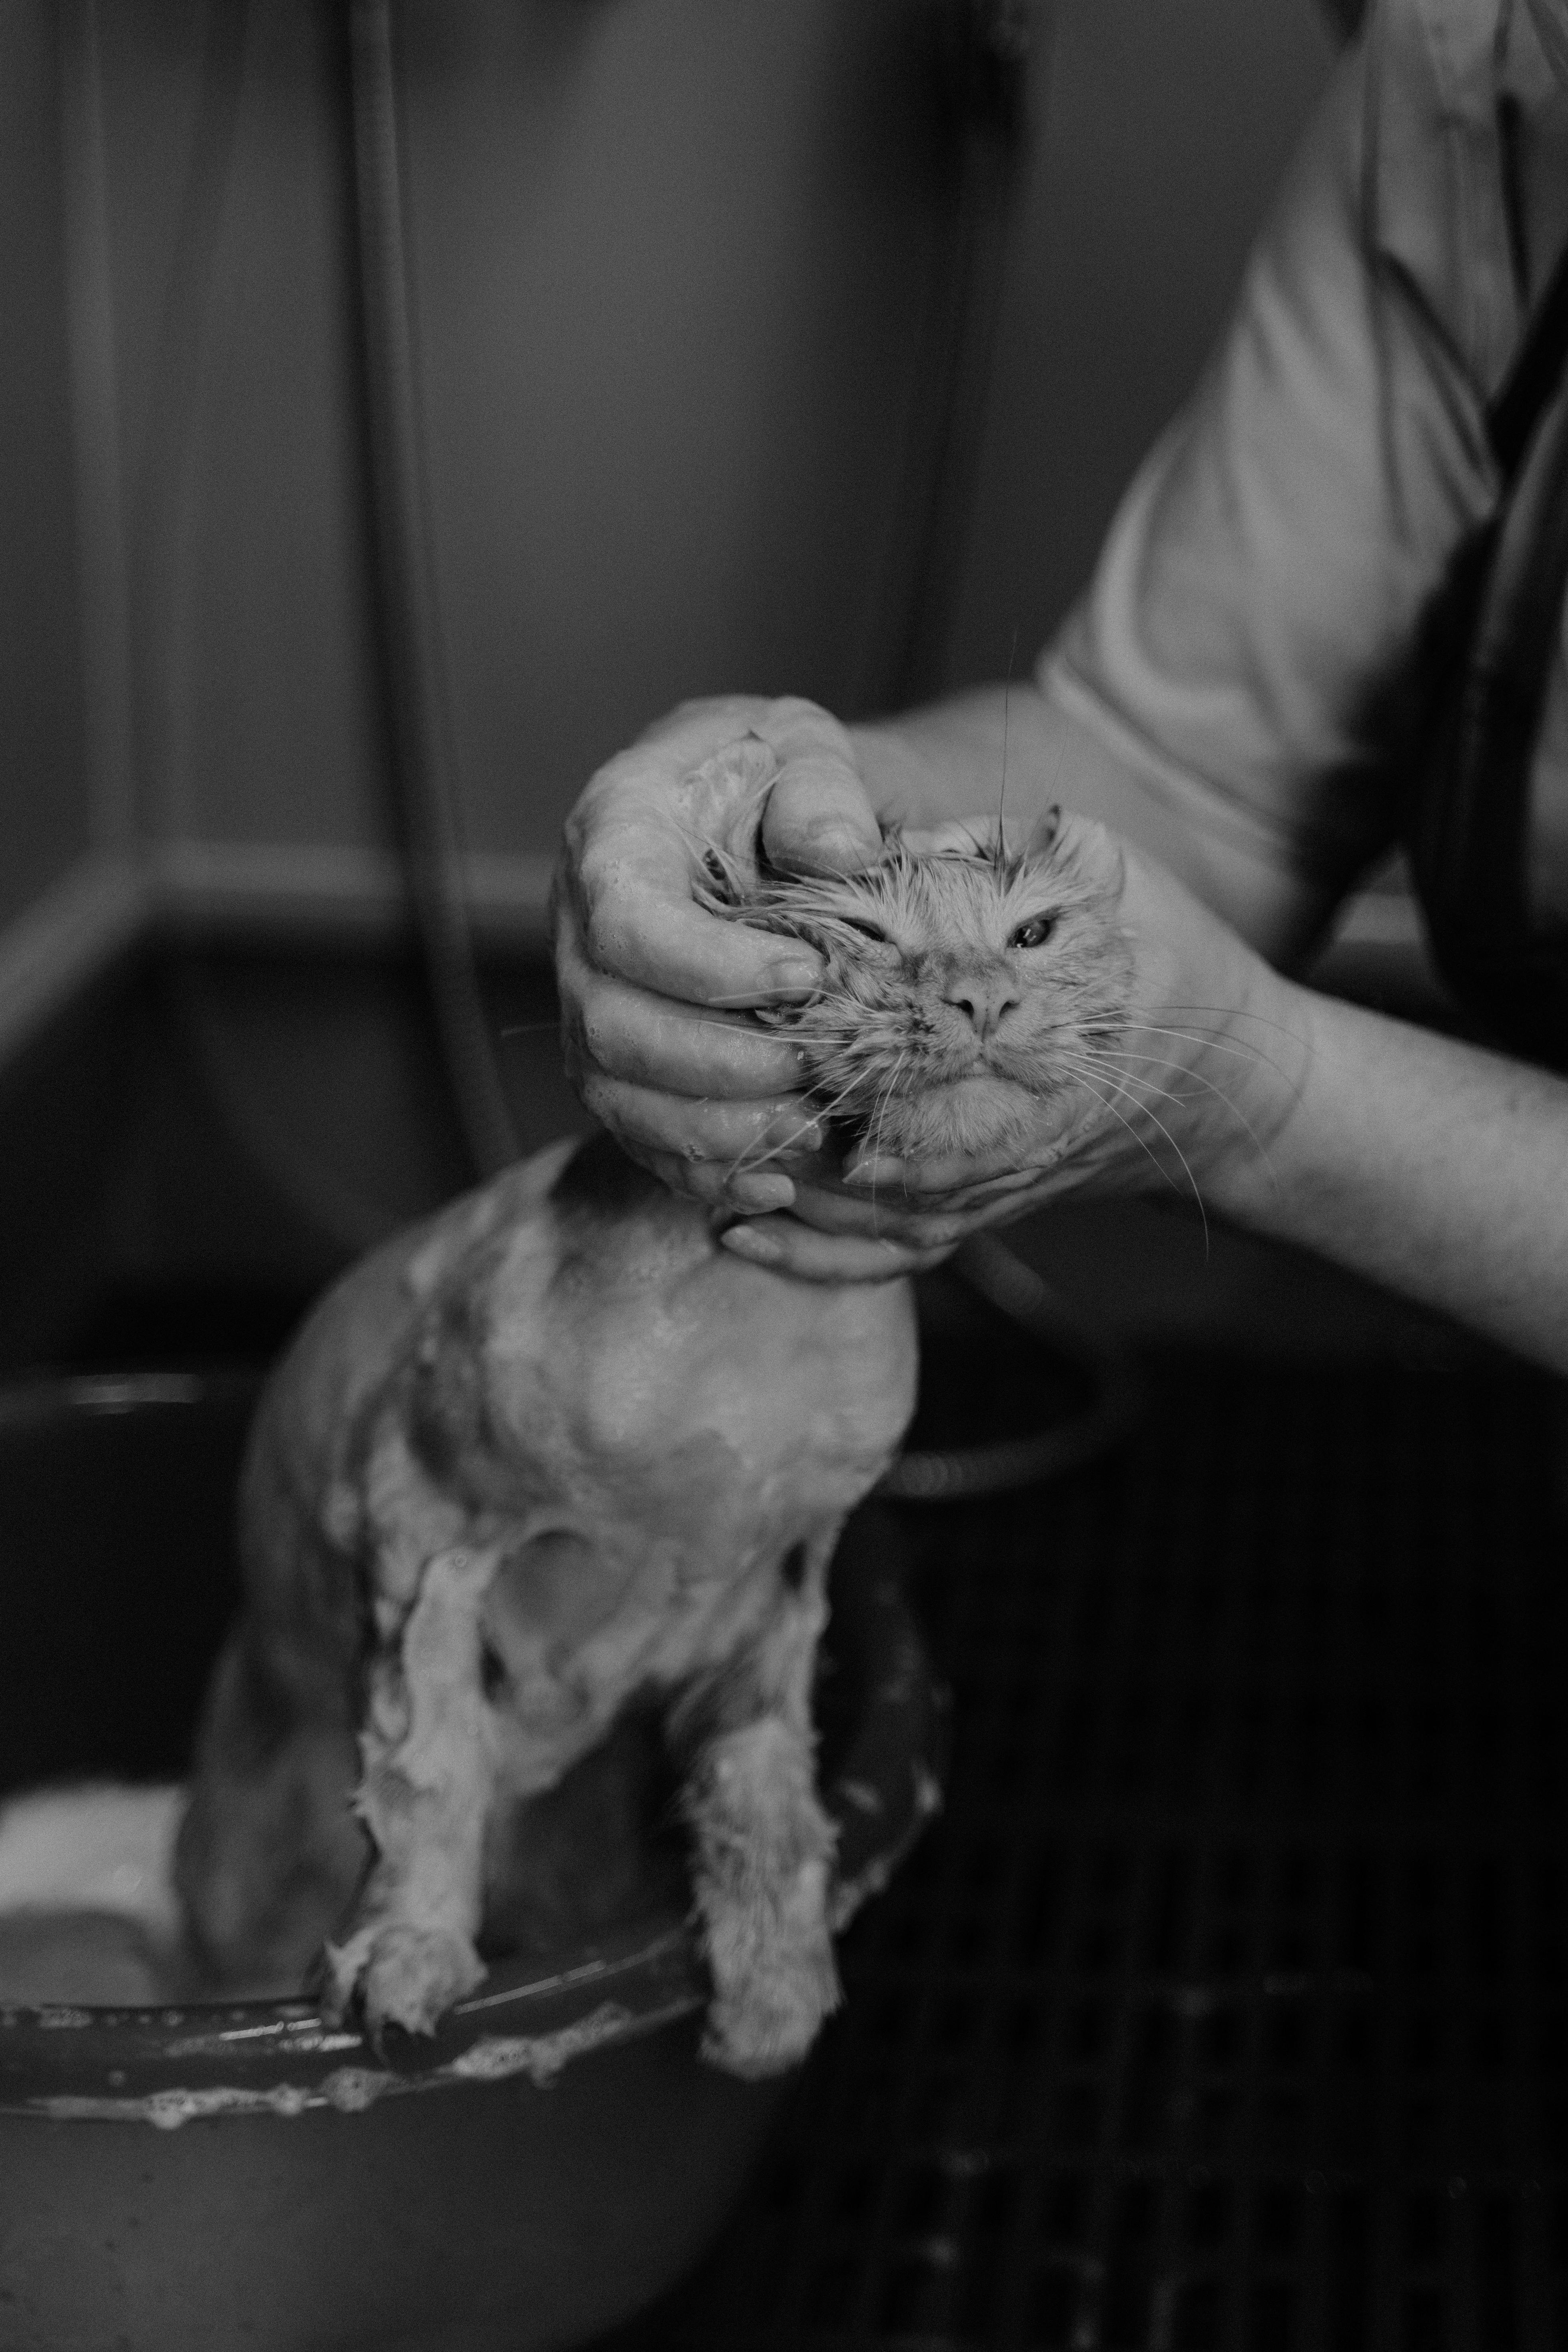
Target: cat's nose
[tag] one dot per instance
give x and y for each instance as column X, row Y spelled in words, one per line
column 985, row 999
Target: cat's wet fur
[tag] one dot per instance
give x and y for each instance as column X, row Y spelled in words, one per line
column 965, row 987
column 535, row 1523
column 556, row 1475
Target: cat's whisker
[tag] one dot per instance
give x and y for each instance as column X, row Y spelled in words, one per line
column 1109, row 1060
column 757, row 1155
column 876, row 1126
column 820, row 1111
column 1167, row 1094
column 1121, row 1053
column 1226, row 1015
column 1212, row 1043
column 1135, row 1078
column 1230, row 1013
column 889, row 1092
column 852, row 1031
column 1088, row 1082
column 744, row 1002
column 730, row 1028
column 1002, row 793
column 1219, row 1094
column 1087, row 1079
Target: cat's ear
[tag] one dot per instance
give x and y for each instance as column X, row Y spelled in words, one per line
column 1046, row 829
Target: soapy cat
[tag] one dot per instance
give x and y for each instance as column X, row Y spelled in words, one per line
column 552, row 1451
column 557, row 1451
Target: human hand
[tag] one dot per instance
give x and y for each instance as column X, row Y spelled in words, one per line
column 1206, row 1070
column 655, row 990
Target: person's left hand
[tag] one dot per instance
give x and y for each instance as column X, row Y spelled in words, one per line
column 1205, row 1073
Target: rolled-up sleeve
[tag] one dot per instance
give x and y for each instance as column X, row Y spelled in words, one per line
column 1266, row 573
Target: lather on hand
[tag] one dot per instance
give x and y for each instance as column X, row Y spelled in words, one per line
column 654, row 989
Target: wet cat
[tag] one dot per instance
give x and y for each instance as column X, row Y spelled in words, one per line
column 557, row 1452
column 548, row 1457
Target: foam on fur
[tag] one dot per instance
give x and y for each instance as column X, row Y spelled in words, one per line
column 550, row 1460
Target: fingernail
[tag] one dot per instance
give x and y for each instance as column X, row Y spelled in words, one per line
column 797, row 1131
column 746, row 1242
column 794, row 976
column 867, row 1173
column 829, row 848
column 759, row 1195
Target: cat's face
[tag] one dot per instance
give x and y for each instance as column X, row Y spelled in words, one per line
column 962, row 988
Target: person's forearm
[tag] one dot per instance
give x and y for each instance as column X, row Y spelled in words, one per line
column 1011, row 749
column 1436, row 1169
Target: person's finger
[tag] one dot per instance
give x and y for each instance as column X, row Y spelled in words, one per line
column 944, row 1178
column 726, row 1194
column 954, row 1171
column 959, row 1199
column 913, row 1238
column 785, row 1246
column 632, row 915
column 743, row 1137
column 627, row 1033
column 683, row 738
column 832, row 1210
column 963, row 833
column 629, row 863
column 817, row 818
column 758, row 1196
column 819, row 822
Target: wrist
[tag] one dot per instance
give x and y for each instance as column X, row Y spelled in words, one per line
column 1273, row 1034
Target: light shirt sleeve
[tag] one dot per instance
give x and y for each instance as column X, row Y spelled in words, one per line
column 1267, row 572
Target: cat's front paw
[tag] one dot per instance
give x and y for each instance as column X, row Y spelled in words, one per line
column 774, row 1981
column 399, row 1974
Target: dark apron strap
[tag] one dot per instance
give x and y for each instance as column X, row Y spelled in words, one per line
column 1485, row 663
column 1518, row 406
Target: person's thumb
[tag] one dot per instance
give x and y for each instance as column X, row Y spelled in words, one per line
column 819, row 819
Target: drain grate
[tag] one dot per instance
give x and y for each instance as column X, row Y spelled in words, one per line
column 1225, row 2008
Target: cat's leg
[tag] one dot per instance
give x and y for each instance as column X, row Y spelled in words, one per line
column 763, row 1843
column 429, row 1774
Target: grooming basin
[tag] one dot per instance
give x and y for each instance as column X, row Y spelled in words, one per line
column 247, row 2176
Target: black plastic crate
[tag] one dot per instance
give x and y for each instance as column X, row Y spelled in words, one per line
column 1227, row 2004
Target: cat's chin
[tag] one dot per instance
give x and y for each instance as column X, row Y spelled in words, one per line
column 976, row 1115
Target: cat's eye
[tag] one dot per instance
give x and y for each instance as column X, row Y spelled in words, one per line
column 867, row 930
column 1035, row 932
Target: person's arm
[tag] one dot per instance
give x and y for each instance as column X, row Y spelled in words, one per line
column 1220, row 695
column 1214, row 698
column 1436, row 1169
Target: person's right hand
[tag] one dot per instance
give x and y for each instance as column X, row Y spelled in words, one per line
column 654, row 989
